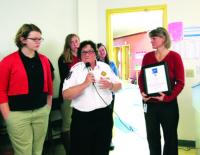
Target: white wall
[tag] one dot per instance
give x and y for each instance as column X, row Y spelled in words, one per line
column 179, row 10
column 88, row 20
column 56, row 19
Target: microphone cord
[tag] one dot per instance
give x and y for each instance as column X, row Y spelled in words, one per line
column 128, row 127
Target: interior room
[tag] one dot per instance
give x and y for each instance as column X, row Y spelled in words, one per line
column 126, row 39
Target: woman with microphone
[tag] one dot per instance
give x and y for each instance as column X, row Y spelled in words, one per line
column 91, row 95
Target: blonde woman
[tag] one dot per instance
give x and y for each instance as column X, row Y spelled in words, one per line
column 66, row 60
column 162, row 110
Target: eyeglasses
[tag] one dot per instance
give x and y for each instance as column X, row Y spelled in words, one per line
column 36, row 39
column 87, row 52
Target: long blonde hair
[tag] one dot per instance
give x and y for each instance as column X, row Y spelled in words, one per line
column 67, row 51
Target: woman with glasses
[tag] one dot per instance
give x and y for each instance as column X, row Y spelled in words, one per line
column 67, row 59
column 26, row 92
column 90, row 85
column 162, row 110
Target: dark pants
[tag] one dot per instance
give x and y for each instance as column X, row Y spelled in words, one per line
column 91, row 132
column 112, row 108
column 166, row 115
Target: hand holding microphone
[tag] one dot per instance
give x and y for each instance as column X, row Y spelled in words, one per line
column 90, row 76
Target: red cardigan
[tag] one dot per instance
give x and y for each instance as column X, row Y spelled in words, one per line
column 176, row 72
column 14, row 80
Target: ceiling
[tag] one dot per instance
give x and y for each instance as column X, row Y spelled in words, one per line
column 124, row 24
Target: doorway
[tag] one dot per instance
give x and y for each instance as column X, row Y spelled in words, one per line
column 119, row 25
column 122, row 59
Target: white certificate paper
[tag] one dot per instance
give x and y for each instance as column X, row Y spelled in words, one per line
column 156, row 79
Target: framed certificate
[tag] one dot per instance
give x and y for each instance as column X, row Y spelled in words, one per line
column 156, row 79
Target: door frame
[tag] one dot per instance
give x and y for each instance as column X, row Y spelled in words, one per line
column 110, row 12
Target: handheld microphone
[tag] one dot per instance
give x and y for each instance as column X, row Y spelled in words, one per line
column 88, row 66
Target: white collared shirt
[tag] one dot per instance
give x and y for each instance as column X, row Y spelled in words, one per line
column 89, row 99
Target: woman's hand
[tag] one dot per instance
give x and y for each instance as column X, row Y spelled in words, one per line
column 160, row 97
column 105, row 84
column 5, row 110
column 145, row 97
column 49, row 100
column 89, row 79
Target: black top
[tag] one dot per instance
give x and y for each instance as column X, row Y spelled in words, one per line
column 35, row 98
column 52, row 70
column 64, row 69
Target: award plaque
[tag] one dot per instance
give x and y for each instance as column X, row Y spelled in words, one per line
column 156, row 79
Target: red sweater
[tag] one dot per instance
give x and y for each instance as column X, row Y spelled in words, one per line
column 176, row 72
column 14, row 80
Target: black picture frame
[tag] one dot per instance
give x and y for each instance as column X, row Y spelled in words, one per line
column 156, row 79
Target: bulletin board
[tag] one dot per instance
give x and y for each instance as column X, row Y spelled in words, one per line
column 189, row 44
column 188, row 48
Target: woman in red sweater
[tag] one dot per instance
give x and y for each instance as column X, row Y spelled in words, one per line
column 26, row 92
column 163, row 109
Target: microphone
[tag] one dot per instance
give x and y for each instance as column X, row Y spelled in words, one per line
column 88, row 66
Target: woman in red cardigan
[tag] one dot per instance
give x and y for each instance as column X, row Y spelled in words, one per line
column 26, row 92
column 162, row 110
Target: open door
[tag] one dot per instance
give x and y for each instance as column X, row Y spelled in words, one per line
column 122, row 60
column 143, row 18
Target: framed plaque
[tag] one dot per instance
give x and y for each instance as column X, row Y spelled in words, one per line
column 156, row 79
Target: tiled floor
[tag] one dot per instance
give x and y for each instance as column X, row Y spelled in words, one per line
column 129, row 108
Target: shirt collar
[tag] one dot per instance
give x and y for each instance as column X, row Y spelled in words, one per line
column 97, row 65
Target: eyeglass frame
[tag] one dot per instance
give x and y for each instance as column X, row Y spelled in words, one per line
column 36, row 39
column 87, row 52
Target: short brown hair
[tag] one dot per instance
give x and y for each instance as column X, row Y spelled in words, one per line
column 24, row 31
column 163, row 33
column 83, row 44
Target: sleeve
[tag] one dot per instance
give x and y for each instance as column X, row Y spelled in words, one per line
column 48, row 74
column 114, row 68
column 141, row 76
column 63, row 68
column 4, row 80
column 52, row 70
column 179, row 79
column 70, row 80
column 113, row 77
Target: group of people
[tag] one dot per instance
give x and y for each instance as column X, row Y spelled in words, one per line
column 26, row 91
column 88, row 80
